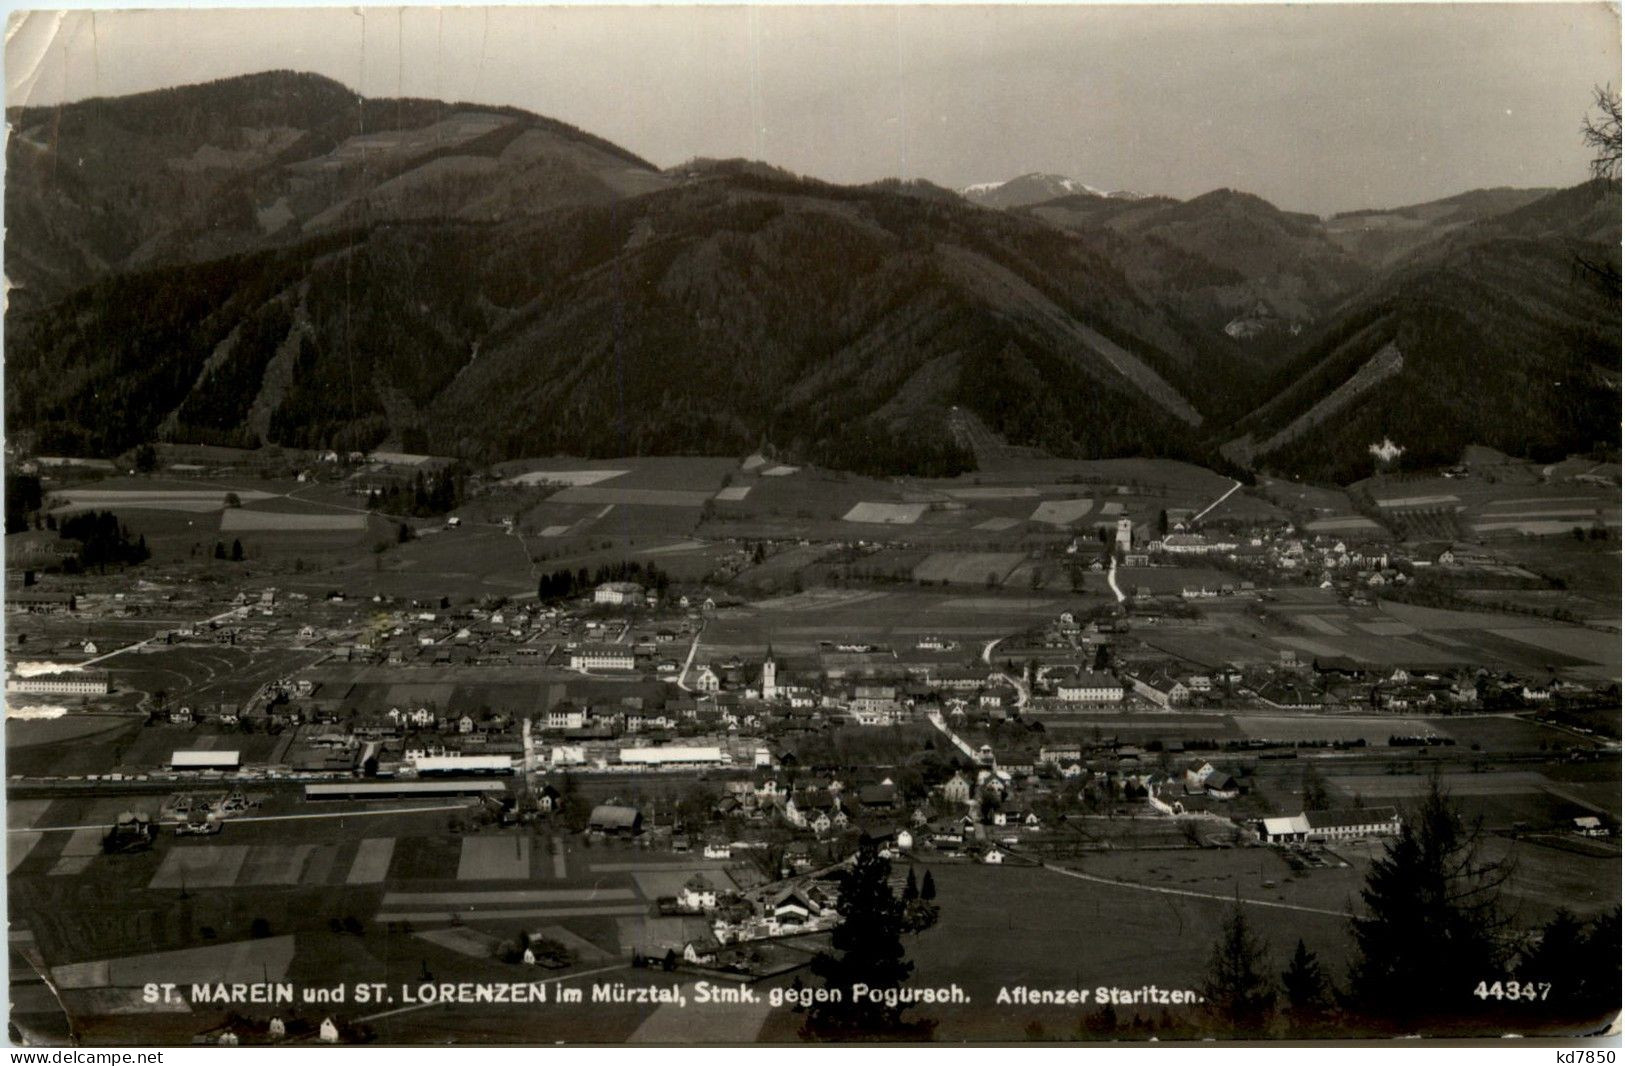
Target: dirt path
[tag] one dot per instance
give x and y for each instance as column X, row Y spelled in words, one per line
column 1064, row 872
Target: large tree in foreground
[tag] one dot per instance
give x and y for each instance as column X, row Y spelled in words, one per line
column 867, row 950
column 1308, row 992
column 1580, row 963
column 1432, row 926
column 1601, row 133
column 1239, row 991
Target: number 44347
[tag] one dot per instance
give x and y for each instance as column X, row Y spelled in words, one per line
column 1532, row 991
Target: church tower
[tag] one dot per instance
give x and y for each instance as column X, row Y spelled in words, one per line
column 1125, row 533
column 770, row 676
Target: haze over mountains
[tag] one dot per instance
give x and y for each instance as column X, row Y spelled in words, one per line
column 270, row 259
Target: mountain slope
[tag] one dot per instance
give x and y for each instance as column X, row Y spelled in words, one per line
column 1507, row 333
column 231, row 167
column 697, row 319
column 1384, row 237
column 1029, row 189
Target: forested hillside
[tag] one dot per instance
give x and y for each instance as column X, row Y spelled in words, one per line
column 736, row 308
column 273, row 259
column 1509, row 332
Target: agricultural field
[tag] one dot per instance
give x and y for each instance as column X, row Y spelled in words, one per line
column 895, row 617
column 1320, row 509
column 1500, row 501
column 379, row 894
column 967, row 568
column 207, row 672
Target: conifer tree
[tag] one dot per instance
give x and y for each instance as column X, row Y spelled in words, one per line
column 1308, row 993
column 867, row 949
column 1239, row 993
column 1432, row 924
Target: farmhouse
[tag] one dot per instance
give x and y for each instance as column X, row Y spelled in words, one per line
column 698, row 894
column 1345, row 824
column 1161, row 690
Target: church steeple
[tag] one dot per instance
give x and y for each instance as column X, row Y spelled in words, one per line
column 770, row 676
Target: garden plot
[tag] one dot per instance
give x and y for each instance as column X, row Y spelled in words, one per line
column 669, row 882
column 1540, row 527
column 264, row 959
column 1441, row 500
column 998, row 604
column 655, row 936
column 733, row 493
column 1313, row 647
column 999, row 525
column 517, row 897
column 202, row 866
column 570, row 478
column 1319, row 624
column 272, row 864
column 585, row 950
column 780, row 471
column 1588, row 644
column 994, row 492
column 819, row 599
column 371, row 863
column 153, row 497
column 643, row 497
column 494, row 859
column 1343, row 524
column 1405, row 786
column 1062, row 512
column 82, row 847
column 1386, row 629
column 1373, row 730
column 133, row 502
column 967, row 568
column 239, row 520
column 463, row 940
column 887, row 514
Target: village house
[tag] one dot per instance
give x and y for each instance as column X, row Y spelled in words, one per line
column 1160, row 689
column 698, row 894
column 706, row 680
column 618, row 593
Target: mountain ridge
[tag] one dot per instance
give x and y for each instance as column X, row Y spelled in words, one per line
column 490, row 283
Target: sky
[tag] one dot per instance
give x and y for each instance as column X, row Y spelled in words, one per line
column 1314, row 107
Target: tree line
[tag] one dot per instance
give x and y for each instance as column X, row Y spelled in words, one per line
column 565, row 584
column 103, row 541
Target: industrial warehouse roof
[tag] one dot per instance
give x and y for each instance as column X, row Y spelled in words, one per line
column 205, row 760
column 670, row 754
column 340, row 789
column 430, row 764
